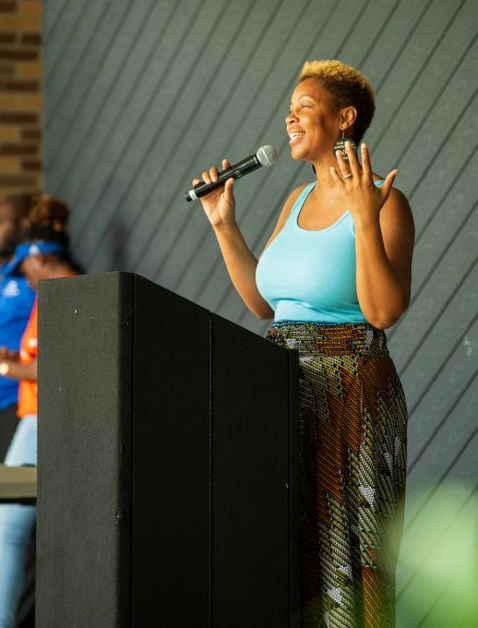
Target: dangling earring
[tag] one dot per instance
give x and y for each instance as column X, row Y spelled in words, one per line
column 340, row 145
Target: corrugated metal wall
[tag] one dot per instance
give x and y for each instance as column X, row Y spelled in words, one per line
column 141, row 96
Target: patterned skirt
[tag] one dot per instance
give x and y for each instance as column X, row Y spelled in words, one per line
column 352, row 452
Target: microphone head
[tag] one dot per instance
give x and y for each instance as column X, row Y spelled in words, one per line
column 267, row 155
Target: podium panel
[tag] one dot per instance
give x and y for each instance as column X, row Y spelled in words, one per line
column 167, row 467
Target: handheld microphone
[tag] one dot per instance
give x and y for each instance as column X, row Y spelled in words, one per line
column 265, row 156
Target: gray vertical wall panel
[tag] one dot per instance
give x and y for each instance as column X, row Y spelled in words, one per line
column 141, row 96
column 439, row 395
column 89, row 36
column 457, row 427
column 104, row 96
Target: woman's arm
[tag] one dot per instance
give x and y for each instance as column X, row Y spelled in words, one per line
column 384, row 238
column 384, row 255
column 241, row 265
column 16, row 370
column 240, row 262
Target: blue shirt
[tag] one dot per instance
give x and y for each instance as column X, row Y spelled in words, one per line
column 16, row 301
column 308, row 275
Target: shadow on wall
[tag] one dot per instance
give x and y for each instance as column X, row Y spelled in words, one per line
column 438, row 566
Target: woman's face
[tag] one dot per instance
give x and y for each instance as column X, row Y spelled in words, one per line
column 313, row 122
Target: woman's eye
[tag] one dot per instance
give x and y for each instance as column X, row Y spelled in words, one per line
column 300, row 107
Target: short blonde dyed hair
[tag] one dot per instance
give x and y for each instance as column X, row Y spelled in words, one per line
column 347, row 87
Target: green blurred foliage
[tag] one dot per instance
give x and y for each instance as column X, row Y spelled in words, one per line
column 438, row 565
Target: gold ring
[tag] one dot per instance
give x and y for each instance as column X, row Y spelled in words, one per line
column 346, row 176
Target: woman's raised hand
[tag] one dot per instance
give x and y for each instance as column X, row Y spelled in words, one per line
column 363, row 198
column 219, row 205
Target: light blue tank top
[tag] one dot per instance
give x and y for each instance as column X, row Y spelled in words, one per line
column 310, row 275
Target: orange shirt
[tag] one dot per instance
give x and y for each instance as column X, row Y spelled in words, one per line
column 28, row 391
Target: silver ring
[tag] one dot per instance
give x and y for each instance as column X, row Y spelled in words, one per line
column 346, row 176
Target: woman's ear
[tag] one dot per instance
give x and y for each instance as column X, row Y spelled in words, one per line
column 348, row 115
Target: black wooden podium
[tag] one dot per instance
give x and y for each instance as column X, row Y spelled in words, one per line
column 167, row 473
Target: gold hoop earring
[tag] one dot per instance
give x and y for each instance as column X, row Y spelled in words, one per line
column 340, row 145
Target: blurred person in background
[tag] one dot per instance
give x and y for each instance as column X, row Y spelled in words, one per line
column 43, row 253
column 16, row 301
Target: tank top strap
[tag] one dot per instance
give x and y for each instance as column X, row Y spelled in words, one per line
column 300, row 200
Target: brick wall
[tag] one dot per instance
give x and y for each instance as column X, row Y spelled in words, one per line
column 20, row 96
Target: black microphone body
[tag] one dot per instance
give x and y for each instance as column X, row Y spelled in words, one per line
column 265, row 156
